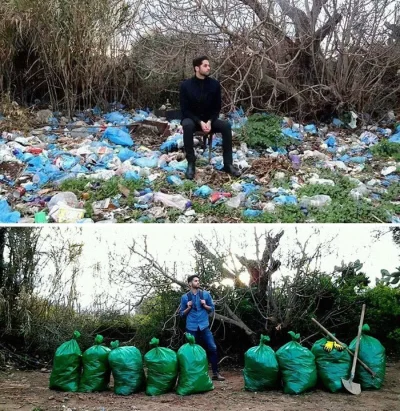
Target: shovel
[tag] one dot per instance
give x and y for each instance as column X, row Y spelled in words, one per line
column 329, row 334
column 350, row 385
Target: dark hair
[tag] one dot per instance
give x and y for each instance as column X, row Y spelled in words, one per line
column 191, row 278
column 198, row 60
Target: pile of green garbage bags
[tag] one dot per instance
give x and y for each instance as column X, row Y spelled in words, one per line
column 298, row 369
column 91, row 371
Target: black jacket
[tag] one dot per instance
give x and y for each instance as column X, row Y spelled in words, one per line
column 200, row 99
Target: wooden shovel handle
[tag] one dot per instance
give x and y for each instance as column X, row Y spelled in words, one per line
column 347, row 349
column 353, row 368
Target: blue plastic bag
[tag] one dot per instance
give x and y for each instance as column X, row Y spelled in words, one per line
column 132, row 175
column 126, row 154
column 114, row 117
column 203, row 191
column 174, row 180
column 6, row 214
column 287, row 131
column 249, row 188
column 118, row 136
column 150, row 162
column 331, row 140
column 311, row 128
column 285, row 199
column 251, row 213
column 395, row 138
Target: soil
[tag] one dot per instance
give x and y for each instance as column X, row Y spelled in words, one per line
column 28, row 391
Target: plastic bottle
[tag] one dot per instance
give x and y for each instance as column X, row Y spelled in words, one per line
column 176, row 201
column 319, row 201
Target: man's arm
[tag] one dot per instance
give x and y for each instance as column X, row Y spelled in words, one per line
column 216, row 107
column 184, row 102
column 185, row 306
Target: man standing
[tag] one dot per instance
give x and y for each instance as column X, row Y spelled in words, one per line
column 200, row 99
column 195, row 306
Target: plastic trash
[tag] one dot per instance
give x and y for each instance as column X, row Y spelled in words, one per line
column 373, row 353
column 40, row 217
column 319, row 201
column 115, row 117
column 251, row 213
column 337, row 123
column 359, row 192
column 289, row 132
column 331, row 140
column 162, row 369
column 126, row 154
column 6, row 213
column 193, row 369
column 174, row 180
column 236, row 201
column 249, row 188
column 321, row 181
column 118, row 136
column 67, row 366
column 368, row 138
column 261, row 369
column 150, row 162
column 96, row 369
column 175, row 201
column 395, row 138
column 297, row 365
column 127, row 368
column 388, row 170
column 66, row 197
column 311, row 128
column 216, row 197
column 331, row 366
column 203, row 191
column 285, row 200
column 296, row 161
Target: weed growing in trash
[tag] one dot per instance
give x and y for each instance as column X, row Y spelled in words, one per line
column 264, row 130
column 385, row 149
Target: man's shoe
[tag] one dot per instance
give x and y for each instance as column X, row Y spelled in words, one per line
column 218, row 377
column 190, row 171
column 231, row 170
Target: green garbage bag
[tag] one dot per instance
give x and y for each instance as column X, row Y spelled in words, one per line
column 162, row 369
column 67, row 365
column 297, row 364
column 261, row 369
column 373, row 354
column 127, row 368
column 193, row 368
column 96, row 369
column 332, row 365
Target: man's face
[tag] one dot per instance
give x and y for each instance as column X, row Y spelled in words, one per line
column 195, row 282
column 204, row 68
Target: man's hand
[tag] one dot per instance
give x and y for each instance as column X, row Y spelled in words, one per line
column 189, row 304
column 206, row 127
column 203, row 302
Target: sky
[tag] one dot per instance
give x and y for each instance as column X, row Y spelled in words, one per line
column 172, row 244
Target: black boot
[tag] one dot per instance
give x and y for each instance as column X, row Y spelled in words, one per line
column 231, row 170
column 190, row 171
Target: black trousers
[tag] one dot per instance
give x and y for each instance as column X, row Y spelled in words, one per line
column 218, row 126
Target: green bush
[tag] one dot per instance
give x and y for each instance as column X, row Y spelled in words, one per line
column 264, row 130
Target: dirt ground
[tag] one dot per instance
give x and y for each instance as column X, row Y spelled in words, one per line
column 28, row 391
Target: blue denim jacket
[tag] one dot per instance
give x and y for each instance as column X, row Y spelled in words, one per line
column 197, row 317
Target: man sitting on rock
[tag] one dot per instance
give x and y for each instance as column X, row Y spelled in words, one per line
column 200, row 99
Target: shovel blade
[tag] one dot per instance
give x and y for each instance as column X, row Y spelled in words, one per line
column 351, row 386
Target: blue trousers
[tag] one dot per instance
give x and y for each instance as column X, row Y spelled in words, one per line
column 206, row 340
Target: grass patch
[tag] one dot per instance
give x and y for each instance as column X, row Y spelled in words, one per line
column 386, row 149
